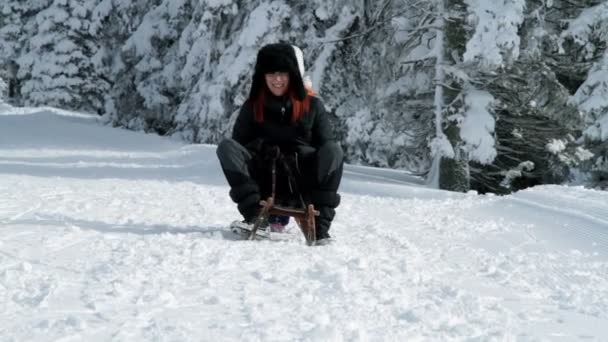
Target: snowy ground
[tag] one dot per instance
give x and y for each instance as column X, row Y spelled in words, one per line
column 107, row 234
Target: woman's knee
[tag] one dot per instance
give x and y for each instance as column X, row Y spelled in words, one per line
column 330, row 156
column 331, row 150
column 225, row 147
column 330, row 159
column 230, row 148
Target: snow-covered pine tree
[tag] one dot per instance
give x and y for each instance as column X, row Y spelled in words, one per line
column 532, row 116
column 57, row 69
column 218, row 49
column 183, row 68
column 385, row 111
column 17, row 23
column 147, row 89
column 112, row 23
column 450, row 43
column 585, row 39
column 212, row 61
column 527, row 129
column 463, row 120
column 536, row 128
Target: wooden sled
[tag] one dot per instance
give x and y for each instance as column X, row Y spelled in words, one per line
column 304, row 217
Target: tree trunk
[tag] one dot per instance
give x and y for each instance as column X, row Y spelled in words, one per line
column 453, row 171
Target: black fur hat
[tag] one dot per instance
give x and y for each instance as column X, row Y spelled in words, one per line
column 273, row 58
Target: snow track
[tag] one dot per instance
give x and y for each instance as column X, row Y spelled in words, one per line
column 115, row 235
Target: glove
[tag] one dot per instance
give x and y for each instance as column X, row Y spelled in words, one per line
column 262, row 150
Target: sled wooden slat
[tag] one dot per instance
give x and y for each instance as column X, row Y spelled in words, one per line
column 264, row 213
column 278, row 210
column 305, row 218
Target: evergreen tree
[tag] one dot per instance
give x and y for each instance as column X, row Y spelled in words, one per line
column 218, row 48
column 56, row 69
column 151, row 68
column 533, row 116
column 114, row 23
column 481, row 91
column 3, row 90
column 463, row 117
column 528, row 121
column 586, row 40
column 450, row 42
column 386, row 109
column 17, row 23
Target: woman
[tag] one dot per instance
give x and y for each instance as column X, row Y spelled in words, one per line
column 282, row 112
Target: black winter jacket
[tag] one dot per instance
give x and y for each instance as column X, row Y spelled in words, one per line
column 304, row 136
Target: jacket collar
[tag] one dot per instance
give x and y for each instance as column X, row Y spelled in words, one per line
column 278, row 107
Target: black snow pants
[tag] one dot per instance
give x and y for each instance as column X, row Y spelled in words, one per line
column 317, row 174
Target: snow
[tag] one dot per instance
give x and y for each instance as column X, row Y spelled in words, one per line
column 516, row 172
column 440, row 146
column 260, row 23
column 109, row 234
column 592, row 99
column 218, row 3
column 590, row 31
column 477, row 128
column 581, row 28
column 333, row 33
column 555, row 146
column 495, row 41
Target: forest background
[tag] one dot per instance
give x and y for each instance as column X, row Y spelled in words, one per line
column 493, row 96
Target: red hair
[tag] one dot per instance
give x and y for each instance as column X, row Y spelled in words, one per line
column 299, row 107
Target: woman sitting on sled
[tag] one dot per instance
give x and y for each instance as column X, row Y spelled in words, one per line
column 282, row 114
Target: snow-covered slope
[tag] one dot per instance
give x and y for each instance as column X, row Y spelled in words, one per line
column 108, row 234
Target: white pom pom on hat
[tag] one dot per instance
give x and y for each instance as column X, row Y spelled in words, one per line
column 300, row 59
